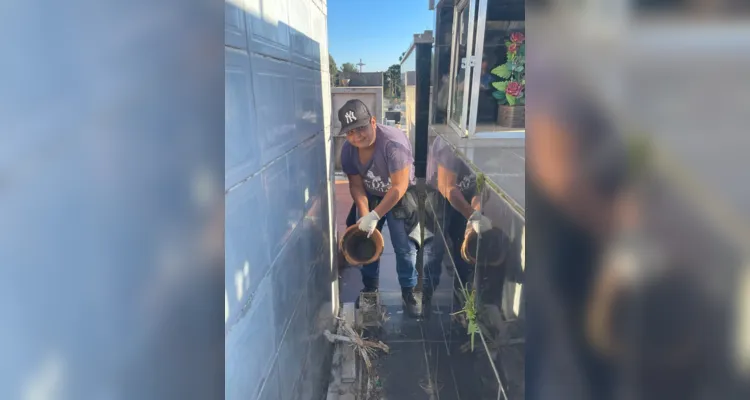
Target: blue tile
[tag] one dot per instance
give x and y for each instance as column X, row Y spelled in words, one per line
column 307, row 101
column 246, row 254
column 301, row 181
column 301, row 43
column 250, row 347
column 272, row 386
column 235, row 34
column 268, row 27
column 320, row 154
column 316, row 370
column 293, row 351
column 241, row 142
column 280, row 214
column 319, row 298
column 273, row 91
column 289, row 276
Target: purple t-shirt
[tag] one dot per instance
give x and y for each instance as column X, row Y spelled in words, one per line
column 442, row 154
column 392, row 153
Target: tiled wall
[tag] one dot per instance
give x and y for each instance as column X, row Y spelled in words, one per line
column 278, row 249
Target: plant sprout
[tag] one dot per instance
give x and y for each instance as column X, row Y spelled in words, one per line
column 470, row 311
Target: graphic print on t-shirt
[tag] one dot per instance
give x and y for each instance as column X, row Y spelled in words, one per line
column 468, row 182
column 375, row 184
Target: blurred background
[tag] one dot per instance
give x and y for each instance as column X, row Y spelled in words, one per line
column 112, row 205
column 637, row 210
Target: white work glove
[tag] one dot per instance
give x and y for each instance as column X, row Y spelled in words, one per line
column 369, row 222
column 479, row 223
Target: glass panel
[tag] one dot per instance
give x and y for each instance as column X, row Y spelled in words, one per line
column 462, row 33
column 493, row 112
column 453, row 196
column 442, row 60
column 485, row 268
column 498, row 271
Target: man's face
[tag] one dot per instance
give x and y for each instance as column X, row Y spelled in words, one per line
column 362, row 137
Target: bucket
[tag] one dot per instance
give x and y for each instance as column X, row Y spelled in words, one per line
column 493, row 247
column 358, row 249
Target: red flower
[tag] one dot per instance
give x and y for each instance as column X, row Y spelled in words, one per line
column 514, row 89
column 513, row 48
column 517, row 37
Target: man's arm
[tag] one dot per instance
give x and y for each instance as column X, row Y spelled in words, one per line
column 357, row 190
column 447, row 187
column 399, row 184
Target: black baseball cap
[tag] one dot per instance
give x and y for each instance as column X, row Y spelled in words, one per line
column 352, row 115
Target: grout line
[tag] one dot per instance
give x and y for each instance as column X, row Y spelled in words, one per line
column 290, row 61
column 433, row 384
column 455, row 383
column 268, row 165
column 494, row 367
column 250, row 52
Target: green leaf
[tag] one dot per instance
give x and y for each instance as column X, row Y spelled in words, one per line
column 498, row 95
column 502, row 71
column 500, row 86
column 518, row 68
column 511, row 99
column 508, row 43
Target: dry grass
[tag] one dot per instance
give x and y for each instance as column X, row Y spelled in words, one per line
column 367, row 349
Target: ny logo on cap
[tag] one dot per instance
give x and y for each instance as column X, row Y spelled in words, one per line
column 350, row 117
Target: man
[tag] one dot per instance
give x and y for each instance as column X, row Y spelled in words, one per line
column 456, row 183
column 378, row 161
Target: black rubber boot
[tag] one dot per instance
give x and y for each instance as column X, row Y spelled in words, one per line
column 365, row 290
column 410, row 302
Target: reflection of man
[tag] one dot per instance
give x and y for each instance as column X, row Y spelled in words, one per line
column 457, row 183
column 487, row 105
column 485, row 78
column 378, row 161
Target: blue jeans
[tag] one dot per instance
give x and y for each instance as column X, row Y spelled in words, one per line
column 453, row 227
column 403, row 246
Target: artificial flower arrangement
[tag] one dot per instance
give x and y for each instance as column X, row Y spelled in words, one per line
column 511, row 89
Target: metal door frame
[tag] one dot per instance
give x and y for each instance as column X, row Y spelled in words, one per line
column 468, row 71
column 477, row 72
column 454, row 39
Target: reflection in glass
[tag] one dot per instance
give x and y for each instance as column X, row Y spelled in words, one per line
column 482, row 266
column 456, row 183
column 459, row 72
column 494, row 54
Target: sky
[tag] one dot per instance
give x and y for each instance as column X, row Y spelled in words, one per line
column 377, row 31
